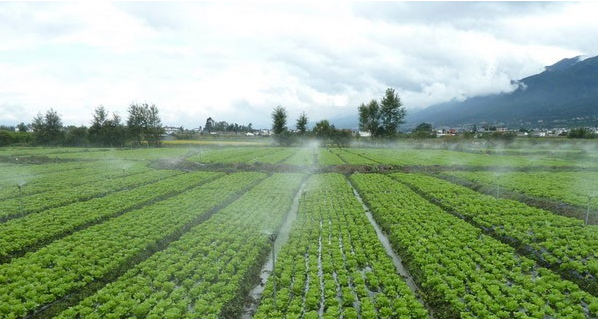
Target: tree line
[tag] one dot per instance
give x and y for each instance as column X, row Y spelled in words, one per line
column 380, row 119
column 143, row 127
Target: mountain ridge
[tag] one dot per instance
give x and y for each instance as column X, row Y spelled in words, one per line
column 564, row 94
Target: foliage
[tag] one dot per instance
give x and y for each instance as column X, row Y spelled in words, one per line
column 561, row 242
column 279, row 120
column 105, row 131
column 15, row 138
column 279, row 126
column 369, row 118
column 327, row 133
column 75, row 136
column 144, row 124
column 581, row 132
column 48, row 129
column 70, row 263
column 461, row 270
column 332, row 259
column 302, row 123
column 382, row 119
column 208, row 271
column 424, row 130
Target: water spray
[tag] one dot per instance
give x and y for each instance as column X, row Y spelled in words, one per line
column 497, row 186
column 588, row 210
column 20, row 186
column 272, row 237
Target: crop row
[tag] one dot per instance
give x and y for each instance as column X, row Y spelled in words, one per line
column 334, row 264
column 17, row 234
column 117, row 155
column 62, row 195
column 13, row 174
column 326, row 157
column 560, row 242
column 464, row 273
column 64, row 265
column 357, row 157
column 304, row 156
column 207, row 272
column 569, row 187
column 222, row 155
column 70, row 178
column 448, row 158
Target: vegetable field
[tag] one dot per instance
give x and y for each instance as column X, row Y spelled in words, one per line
column 257, row 231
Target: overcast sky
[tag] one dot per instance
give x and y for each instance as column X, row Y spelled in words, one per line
column 237, row 61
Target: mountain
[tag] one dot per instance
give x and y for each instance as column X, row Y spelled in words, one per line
column 565, row 94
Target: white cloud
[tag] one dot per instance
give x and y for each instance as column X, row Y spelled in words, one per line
column 236, row 61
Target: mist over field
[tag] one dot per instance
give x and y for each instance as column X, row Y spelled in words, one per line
column 299, row 160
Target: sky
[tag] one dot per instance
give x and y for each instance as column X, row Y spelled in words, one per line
column 236, row 61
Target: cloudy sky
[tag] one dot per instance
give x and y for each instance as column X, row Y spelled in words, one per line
column 237, row 61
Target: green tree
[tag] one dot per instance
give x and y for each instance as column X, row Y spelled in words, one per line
column 154, row 128
column 22, row 127
column 106, row 131
column 392, row 113
column 327, row 133
column 581, row 132
column 136, row 123
column 424, row 130
column 302, row 123
column 369, row 118
column 382, row 119
column 48, row 129
column 279, row 120
column 279, row 126
column 144, row 124
column 210, row 123
column 6, row 138
column 76, row 136
column 323, row 130
column 97, row 128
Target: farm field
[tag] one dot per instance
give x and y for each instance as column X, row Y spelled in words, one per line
column 413, row 231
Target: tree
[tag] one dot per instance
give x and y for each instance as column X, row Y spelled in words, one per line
column 279, row 126
column 105, row 131
column 369, row 118
column 424, row 130
column 581, row 132
column 96, row 130
column 327, row 133
column 22, row 127
column 144, row 124
column 153, row 129
column 382, row 119
column 76, row 136
column 48, row 129
column 392, row 113
column 5, row 138
column 210, row 123
column 302, row 123
column 279, row 120
column 323, row 130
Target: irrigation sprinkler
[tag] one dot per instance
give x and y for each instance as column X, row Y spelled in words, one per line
column 497, row 186
column 588, row 210
column 20, row 186
column 272, row 237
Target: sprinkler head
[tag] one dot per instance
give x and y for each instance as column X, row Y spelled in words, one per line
column 272, row 236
